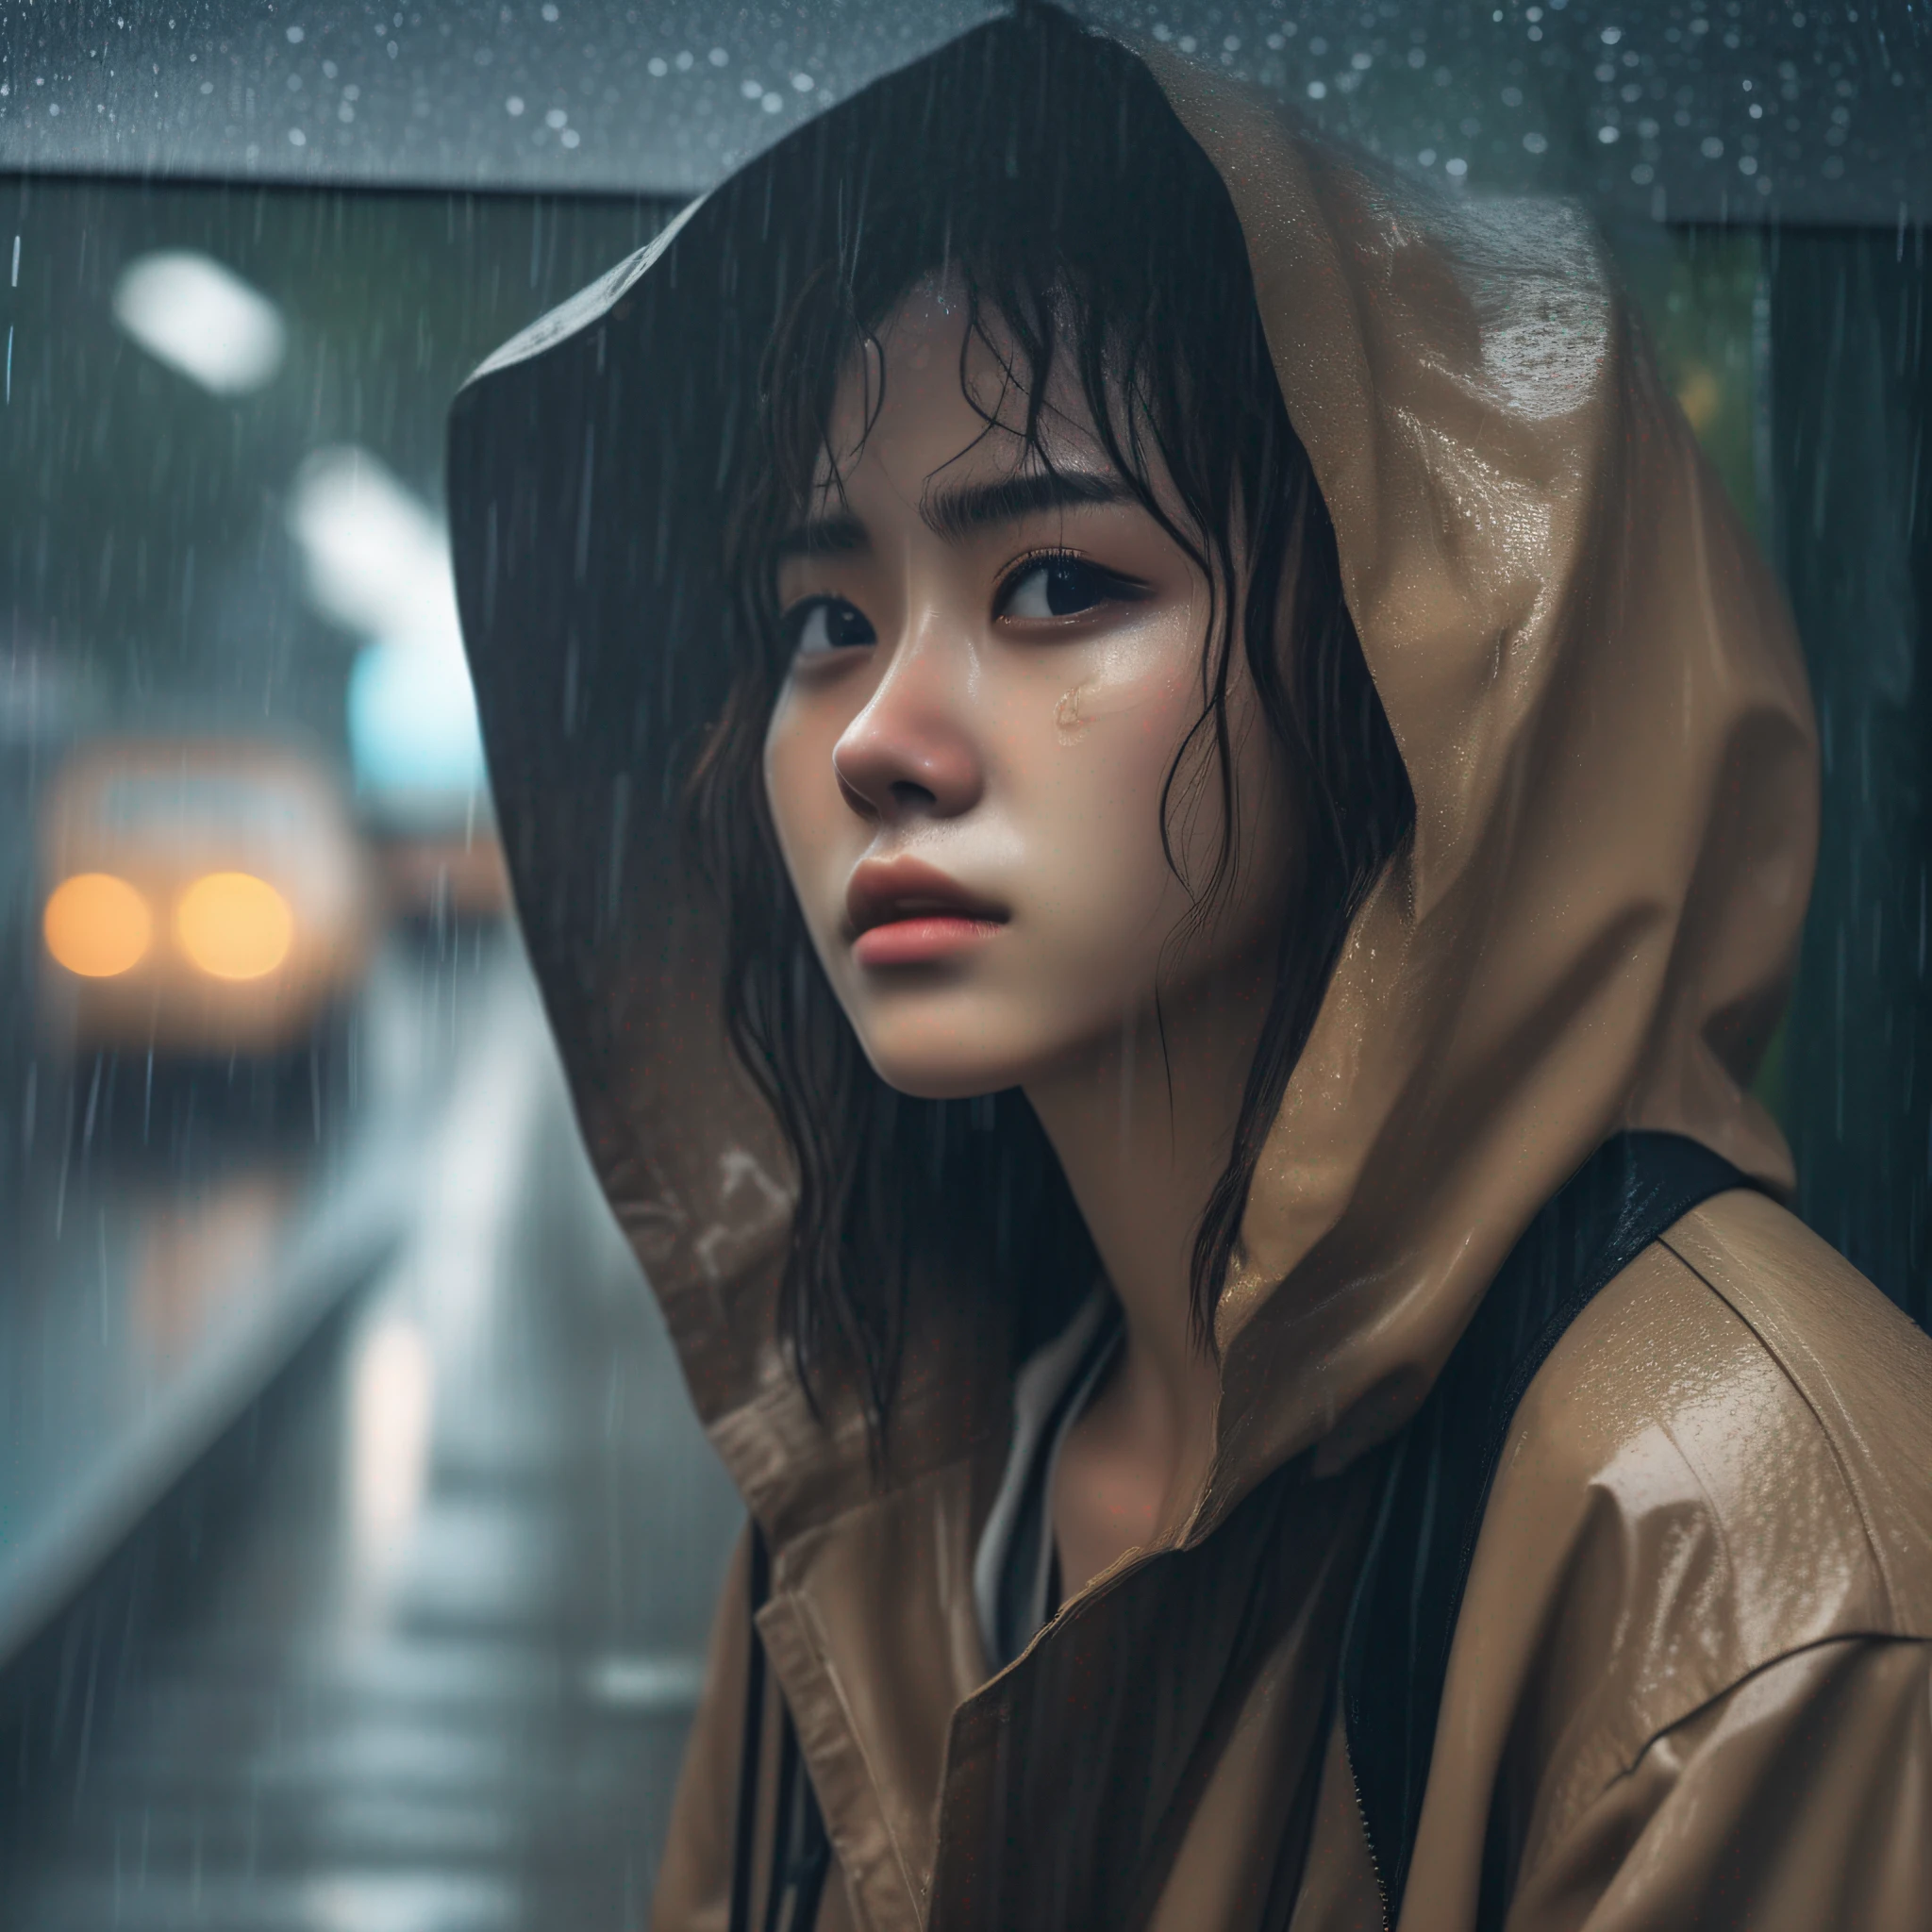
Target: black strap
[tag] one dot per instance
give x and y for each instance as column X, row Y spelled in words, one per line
column 802, row 1854
column 1395, row 1651
column 745, row 1833
column 805, row 1852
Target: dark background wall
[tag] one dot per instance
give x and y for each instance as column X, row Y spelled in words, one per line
column 1851, row 474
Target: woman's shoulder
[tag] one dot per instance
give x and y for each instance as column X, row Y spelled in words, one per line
column 1741, row 1389
column 1725, row 1460
column 1711, row 1519
column 1742, row 1375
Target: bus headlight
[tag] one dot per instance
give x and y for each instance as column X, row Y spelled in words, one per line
column 234, row 925
column 96, row 926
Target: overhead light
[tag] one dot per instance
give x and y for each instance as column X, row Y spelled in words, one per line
column 378, row 557
column 187, row 310
column 412, row 720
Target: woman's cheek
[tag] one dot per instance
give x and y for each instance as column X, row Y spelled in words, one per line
column 806, row 808
column 1132, row 714
column 782, row 771
column 1138, row 672
column 1116, row 738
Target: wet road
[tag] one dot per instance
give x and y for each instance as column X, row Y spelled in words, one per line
column 419, row 1653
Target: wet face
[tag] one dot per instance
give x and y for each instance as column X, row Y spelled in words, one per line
column 994, row 668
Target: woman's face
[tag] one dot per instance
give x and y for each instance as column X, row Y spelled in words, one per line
column 993, row 671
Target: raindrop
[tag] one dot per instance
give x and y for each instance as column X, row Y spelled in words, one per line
column 514, row 106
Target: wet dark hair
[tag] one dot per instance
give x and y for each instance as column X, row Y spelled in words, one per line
column 1090, row 236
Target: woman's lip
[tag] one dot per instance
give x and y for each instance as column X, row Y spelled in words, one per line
column 920, row 939
column 897, row 892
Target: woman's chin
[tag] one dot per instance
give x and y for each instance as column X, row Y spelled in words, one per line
column 943, row 1069
column 923, row 1081
column 960, row 1043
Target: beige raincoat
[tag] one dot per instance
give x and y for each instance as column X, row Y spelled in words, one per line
column 1692, row 1679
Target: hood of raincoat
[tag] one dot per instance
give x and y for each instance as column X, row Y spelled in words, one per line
column 1588, row 669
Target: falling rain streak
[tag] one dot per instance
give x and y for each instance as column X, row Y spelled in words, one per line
column 280, row 1110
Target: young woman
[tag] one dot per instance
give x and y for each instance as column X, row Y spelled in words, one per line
column 1162, row 815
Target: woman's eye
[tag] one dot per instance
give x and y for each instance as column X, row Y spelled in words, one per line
column 825, row 623
column 1061, row 587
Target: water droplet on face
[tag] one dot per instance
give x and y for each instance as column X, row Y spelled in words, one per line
column 1067, row 719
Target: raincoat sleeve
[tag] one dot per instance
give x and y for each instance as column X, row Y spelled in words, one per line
column 1800, row 1799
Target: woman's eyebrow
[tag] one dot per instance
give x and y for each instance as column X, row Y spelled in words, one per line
column 840, row 535
column 964, row 509
column 961, row 510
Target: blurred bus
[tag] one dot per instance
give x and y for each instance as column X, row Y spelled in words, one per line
column 199, row 896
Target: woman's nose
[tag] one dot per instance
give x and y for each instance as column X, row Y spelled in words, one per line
column 909, row 753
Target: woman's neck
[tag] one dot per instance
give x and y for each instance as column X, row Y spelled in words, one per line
column 1142, row 1126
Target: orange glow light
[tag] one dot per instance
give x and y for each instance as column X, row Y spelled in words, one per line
column 234, row 925
column 96, row 926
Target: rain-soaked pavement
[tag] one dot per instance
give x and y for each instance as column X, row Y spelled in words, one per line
column 417, row 1647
